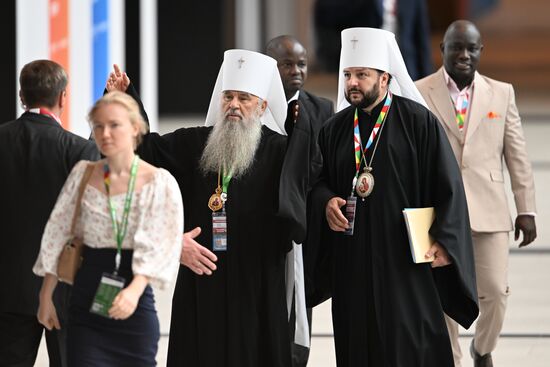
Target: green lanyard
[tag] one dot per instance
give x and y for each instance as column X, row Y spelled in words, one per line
column 225, row 185
column 119, row 229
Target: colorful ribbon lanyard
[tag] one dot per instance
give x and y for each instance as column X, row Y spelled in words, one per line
column 461, row 113
column 44, row 111
column 357, row 144
column 120, row 229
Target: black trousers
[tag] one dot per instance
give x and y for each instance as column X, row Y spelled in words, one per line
column 20, row 335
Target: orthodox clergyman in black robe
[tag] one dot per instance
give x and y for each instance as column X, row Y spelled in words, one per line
column 229, row 306
column 387, row 310
column 237, row 316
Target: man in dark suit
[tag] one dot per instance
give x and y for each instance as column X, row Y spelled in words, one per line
column 36, row 156
column 291, row 59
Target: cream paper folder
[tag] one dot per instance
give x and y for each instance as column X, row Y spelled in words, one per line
column 419, row 221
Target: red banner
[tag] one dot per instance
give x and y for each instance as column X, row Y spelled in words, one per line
column 59, row 44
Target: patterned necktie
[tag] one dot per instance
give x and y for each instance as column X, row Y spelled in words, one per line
column 461, row 108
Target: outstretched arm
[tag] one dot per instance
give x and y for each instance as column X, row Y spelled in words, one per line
column 120, row 81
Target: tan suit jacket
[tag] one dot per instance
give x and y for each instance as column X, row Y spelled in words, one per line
column 493, row 132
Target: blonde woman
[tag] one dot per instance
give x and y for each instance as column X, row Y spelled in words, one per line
column 131, row 222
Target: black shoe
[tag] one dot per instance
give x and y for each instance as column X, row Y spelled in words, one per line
column 480, row 360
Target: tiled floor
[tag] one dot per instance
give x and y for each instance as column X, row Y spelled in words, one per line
column 526, row 334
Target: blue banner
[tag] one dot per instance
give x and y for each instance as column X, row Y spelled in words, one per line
column 100, row 47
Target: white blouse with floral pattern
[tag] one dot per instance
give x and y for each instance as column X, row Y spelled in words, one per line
column 155, row 225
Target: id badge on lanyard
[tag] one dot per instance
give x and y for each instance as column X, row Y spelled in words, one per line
column 219, row 218
column 109, row 287
column 219, row 231
column 363, row 183
column 111, row 284
column 351, row 205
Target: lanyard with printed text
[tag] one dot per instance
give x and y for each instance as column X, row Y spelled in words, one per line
column 357, row 144
column 119, row 229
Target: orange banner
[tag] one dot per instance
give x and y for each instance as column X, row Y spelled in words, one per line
column 59, row 44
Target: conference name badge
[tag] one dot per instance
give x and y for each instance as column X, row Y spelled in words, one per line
column 109, row 287
column 219, row 231
column 351, row 205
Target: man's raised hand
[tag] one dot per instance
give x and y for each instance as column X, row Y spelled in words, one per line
column 117, row 80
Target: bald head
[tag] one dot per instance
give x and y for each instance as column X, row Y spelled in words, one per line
column 291, row 59
column 461, row 50
column 282, row 44
column 461, row 26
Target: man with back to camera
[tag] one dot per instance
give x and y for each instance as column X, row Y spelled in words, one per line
column 36, row 156
column 480, row 118
column 292, row 63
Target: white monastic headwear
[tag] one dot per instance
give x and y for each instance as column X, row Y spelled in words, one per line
column 254, row 73
column 377, row 49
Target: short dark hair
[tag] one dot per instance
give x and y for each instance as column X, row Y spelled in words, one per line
column 41, row 83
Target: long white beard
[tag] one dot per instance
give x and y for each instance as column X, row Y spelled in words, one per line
column 232, row 145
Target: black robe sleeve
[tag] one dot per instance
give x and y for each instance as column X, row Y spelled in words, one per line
column 443, row 189
column 318, row 263
column 301, row 166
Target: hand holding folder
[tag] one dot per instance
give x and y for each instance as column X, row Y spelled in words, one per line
column 419, row 221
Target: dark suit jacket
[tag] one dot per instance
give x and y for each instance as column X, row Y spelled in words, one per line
column 36, row 156
column 414, row 37
column 319, row 109
column 316, row 279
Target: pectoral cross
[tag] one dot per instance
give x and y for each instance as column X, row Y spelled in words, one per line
column 241, row 61
column 354, row 42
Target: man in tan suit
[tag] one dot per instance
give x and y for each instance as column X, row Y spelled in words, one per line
column 481, row 120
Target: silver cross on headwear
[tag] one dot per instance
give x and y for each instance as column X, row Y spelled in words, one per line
column 354, row 42
column 241, row 61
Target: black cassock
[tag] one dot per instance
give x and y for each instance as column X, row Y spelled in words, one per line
column 387, row 311
column 237, row 317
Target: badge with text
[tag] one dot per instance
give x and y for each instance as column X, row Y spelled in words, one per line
column 109, row 287
column 219, row 231
column 351, row 204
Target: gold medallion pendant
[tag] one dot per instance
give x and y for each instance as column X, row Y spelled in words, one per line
column 365, row 183
column 215, row 202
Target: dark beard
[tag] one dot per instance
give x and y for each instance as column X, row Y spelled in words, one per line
column 368, row 99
